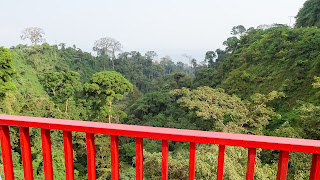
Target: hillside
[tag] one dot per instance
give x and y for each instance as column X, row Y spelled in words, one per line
column 261, row 61
column 254, row 70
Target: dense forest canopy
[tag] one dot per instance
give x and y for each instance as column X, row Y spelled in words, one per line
column 309, row 15
column 265, row 81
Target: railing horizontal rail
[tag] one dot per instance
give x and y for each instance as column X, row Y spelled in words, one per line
column 207, row 137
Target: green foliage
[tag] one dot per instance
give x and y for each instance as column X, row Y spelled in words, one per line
column 106, row 87
column 316, row 84
column 277, row 58
column 231, row 43
column 49, row 83
column 6, row 72
column 160, row 109
column 230, row 112
column 206, row 164
column 238, row 30
column 172, row 81
column 210, row 56
column 62, row 86
column 308, row 16
column 310, row 120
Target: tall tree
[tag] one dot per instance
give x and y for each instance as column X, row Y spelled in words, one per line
column 230, row 112
column 107, row 46
column 6, row 72
column 151, row 55
column 210, row 55
column 106, row 87
column 61, row 85
column 34, row 34
column 180, row 65
column 238, row 30
column 168, row 64
column 309, row 15
column 231, row 43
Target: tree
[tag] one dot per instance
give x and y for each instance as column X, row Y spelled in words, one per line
column 210, row 55
column 230, row 112
column 309, row 115
column 168, row 64
column 193, row 63
column 310, row 121
column 62, row 45
column 6, row 72
column 52, row 81
column 34, row 34
column 107, row 46
column 180, row 65
column 61, row 85
column 309, row 15
column 106, row 87
column 231, row 43
column 238, row 30
column 151, row 55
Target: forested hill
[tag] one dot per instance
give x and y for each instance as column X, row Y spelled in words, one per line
column 264, row 82
column 137, row 68
column 278, row 58
column 279, row 63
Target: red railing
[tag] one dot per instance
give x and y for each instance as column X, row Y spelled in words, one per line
column 252, row 142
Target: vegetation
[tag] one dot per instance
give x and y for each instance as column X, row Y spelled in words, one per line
column 105, row 87
column 34, row 34
column 266, row 81
column 308, row 16
column 6, row 72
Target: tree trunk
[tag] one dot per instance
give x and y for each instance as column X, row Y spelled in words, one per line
column 109, row 104
column 112, row 59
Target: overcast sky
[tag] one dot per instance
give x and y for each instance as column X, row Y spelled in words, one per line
column 169, row 27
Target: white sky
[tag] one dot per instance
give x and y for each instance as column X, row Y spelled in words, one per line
column 169, row 27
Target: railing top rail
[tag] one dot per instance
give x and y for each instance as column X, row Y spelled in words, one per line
column 207, row 137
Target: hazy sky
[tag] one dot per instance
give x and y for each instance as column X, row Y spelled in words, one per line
column 169, row 27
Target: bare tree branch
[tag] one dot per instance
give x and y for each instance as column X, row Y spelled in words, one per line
column 34, row 34
column 107, row 46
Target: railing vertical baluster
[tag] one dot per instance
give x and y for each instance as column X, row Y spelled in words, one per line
column 114, row 157
column 251, row 163
column 165, row 150
column 6, row 152
column 91, row 156
column 283, row 165
column 315, row 167
column 47, row 154
column 139, row 158
column 221, row 162
column 192, row 160
column 26, row 152
column 68, row 154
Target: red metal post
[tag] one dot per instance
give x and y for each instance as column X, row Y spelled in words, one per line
column 6, row 152
column 251, row 163
column 192, row 160
column 283, row 165
column 221, row 162
column 315, row 167
column 139, row 158
column 165, row 151
column 114, row 157
column 91, row 156
column 46, row 153
column 26, row 153
column 68, row 154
